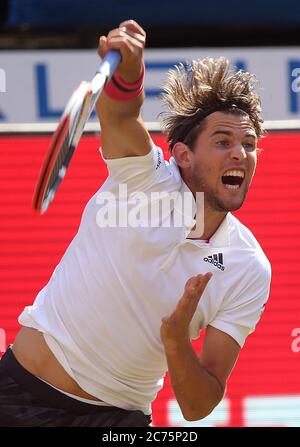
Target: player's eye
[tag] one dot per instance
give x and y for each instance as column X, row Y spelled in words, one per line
column 249, row 147
column 224, row 143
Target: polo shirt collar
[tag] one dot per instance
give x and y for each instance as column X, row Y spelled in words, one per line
column 221, row 238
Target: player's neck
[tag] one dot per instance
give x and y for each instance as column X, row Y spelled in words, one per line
column 212, row 221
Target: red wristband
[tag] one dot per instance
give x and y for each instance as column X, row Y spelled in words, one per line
column 121, row 90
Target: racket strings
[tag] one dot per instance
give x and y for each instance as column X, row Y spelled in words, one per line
column 67, row 141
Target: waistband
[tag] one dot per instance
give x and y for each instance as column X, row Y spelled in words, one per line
column 45, row 393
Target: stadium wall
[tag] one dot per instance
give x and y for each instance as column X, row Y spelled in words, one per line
column 35, row 85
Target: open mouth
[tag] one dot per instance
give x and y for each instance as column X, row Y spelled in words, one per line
column 233, row 179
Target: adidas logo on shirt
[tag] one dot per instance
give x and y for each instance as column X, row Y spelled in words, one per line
column 216, row 260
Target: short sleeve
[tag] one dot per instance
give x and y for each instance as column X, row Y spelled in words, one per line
column 138, row 172
column 241, row 312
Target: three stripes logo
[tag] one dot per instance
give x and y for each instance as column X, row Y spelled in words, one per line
column 216, row 260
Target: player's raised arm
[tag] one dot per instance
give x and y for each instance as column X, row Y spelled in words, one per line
column 123, row 132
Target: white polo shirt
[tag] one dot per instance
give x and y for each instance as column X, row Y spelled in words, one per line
column 101, row 310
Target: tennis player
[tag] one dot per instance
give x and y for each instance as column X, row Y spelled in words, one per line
column 125, row 301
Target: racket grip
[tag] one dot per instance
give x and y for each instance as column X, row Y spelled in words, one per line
column 109, row 63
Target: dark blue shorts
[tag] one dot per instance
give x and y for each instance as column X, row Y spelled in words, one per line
column 26, row 401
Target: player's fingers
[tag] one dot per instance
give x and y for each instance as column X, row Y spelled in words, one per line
column 131, row 52
column 201, row 283
column 126, row 47
column 196, row 283
column 102, row 47
column 193, row 290
column 116, row 32
column 139, row 37
column 122, row 33
column 124, row 40
column 133, row 26
column 187, row 305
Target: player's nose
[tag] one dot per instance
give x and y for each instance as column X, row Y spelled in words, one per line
column 238, row 152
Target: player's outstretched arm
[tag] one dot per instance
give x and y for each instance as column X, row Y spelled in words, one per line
column 123, row 132
column 199, row 383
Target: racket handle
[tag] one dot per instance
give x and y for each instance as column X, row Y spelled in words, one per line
column 109, row 63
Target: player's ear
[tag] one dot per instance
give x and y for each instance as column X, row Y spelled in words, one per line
column 182, row 154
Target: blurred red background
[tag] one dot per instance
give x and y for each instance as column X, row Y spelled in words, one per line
column 264, row 388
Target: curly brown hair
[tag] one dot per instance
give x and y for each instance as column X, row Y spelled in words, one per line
column 203, row 87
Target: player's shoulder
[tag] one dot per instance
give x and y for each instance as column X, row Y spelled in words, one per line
column 244, row 240
column 167, row 171
column 242, row 234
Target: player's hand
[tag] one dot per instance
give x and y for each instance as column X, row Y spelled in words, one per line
column 130, row 39
column 175, row 328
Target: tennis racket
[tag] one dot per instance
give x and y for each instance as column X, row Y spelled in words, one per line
column 69, row 130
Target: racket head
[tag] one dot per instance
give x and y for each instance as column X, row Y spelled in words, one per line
column 62, row 146
column 69, row 131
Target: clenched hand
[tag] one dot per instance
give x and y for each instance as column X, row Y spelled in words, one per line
column 130, row 39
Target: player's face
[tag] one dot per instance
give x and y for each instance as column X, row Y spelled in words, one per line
column 223, row 160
